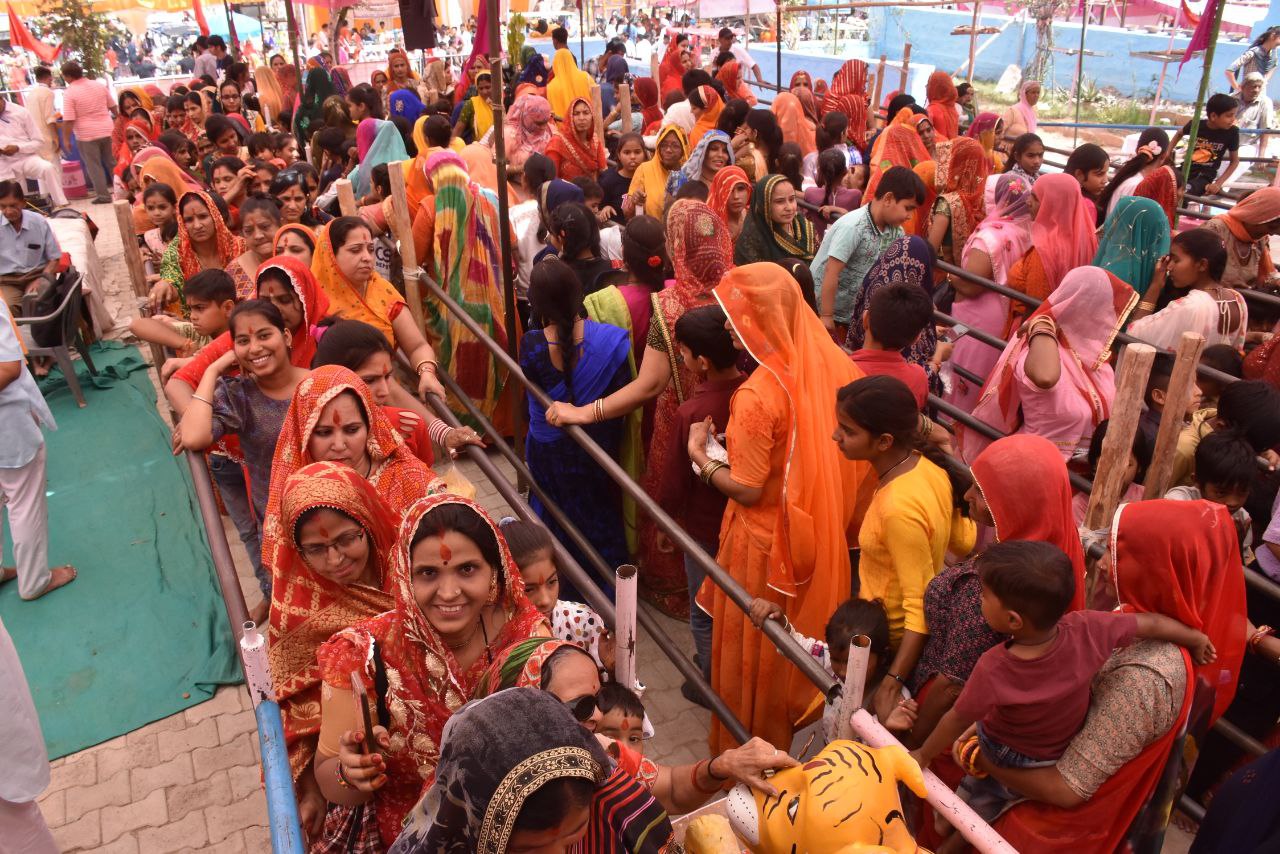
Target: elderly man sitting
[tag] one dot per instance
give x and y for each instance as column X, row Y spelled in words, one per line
column 21, row 151
column 29, row 252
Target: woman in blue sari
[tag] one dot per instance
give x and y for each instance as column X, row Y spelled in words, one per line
column 405, row 104
column 593, row 366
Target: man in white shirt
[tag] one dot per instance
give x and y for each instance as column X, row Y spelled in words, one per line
column 729, row 45
column 21, row 151
column 1256, row 112
column 40, row 104
column 206, row 62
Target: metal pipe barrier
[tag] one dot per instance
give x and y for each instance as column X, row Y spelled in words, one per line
column 785, row 644
column 282, row 804
column 1103, row 126
column 579, row 575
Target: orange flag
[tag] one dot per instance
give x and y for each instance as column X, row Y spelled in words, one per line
column 20, row 36
column 198, row 8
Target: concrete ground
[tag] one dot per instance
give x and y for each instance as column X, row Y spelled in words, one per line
column 191, row 782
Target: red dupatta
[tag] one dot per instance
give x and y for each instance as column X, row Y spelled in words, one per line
column 230, row 247
column 722, row 186
column 671, row 70
column 315, row 305
column 1161, row 186
column 307, row 608
column 587, row 155
column 1025, row 483
column 1180, row 559
column 941, row 92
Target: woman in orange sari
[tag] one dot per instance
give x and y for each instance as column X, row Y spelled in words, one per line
column 960, row 178
column 706, row 105
column 897, row 145
column 701, row 252
column 796, row 127
column 574, row 149
column 792, row 497
column 941, row 92
column 1179, row 559
column 1062, row 239
column 313, row 595
column 1246, row 230
column 731, row 76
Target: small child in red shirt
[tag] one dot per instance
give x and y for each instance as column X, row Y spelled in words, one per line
column 1029, row 696
column 706, row 349
column 893, row 321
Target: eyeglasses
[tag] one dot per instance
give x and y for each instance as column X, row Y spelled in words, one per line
column 319, row 551
column 582, row 708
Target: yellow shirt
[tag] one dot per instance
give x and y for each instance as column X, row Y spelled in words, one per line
column 904, row 537
column 1184, row 453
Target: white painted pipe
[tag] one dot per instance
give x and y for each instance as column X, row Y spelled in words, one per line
column 946, row 802
column 624, row 628
column 855, row 683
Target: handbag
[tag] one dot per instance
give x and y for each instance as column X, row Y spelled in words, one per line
column 354, row 830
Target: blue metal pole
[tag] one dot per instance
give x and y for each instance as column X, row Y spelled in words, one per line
column 282, row 805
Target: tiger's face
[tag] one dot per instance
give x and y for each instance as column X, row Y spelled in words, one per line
column 843, row 800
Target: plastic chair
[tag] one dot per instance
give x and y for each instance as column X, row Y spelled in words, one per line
column 67, row 320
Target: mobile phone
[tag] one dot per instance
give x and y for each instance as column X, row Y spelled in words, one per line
column 362, row 700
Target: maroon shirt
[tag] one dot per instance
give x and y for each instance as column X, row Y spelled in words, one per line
column 697, row 507
column 890, row 363
column 1036, row 706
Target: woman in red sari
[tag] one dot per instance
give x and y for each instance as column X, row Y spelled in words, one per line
column 459, row 603
column 734, row 86
column 1162, row 187
column 848, row 94
column 575, row 149
column 700, row 251
column 1111, row 790
column 315, row 594
column 673, row 64
column 941, row 92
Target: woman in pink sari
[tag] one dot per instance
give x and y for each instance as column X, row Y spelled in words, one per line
column 1053, row 379
column 1063, row 237
column 993, row 247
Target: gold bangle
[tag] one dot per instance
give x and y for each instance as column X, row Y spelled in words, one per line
column 709, row 469
column 597, row 410
column 1146, row 306
column 195, row 396
column 426, row 363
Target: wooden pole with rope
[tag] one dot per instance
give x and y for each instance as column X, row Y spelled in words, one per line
column 973, row 39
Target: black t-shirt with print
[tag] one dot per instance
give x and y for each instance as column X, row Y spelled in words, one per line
column 1212, row 145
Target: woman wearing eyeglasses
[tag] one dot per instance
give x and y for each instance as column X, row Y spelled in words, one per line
column 331, row 571
column 570, row 673
column 459, row 603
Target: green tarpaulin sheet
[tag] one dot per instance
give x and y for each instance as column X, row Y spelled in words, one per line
column 141, row 633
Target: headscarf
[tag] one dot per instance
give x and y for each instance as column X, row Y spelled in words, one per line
column 671, row 71
column 1063, row 233
column 722, row 186
column 700, row 249
column 557, row 192
column 616, row 69
column 378, row 142
column 1182, row 559
column 730, row 75
column 230, row 247
column 407, row 105
column 1005, row 233
column 960, row 179
column 488, row 769
column 522, row 136
column 906, row 261
column 534, row 74
column 941, row 92
column 306, row 233
column 1161, row 186
column 315, row 305
column 1258, row 208
column 155, row 164
column 287, row 77
column 306, row 607
column 520, row 666
column 310, row 113
column 465, row 261
column 802, row 87
column 762, row 239
column 411, row 74
column 646, row 91
column 588, row 156
column 796, row 126
column 779, row 330
column 568, row 83
column 692, row 168
column 1026, row 110
column 430, row 684
column 435, row 76
column 1089, row 307
column 897, row 145
column 270, row 92
column 482, row 110
column 1025, row 482
column 848, row 95
column 710, row 115
column 983, row 130
column 653, row 176
column 1135, row 238
column 375, row 306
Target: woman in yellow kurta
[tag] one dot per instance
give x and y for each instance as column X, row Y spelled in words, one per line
column 912, row 521
column 567, row 83
column 792, row 497
column 648, row 188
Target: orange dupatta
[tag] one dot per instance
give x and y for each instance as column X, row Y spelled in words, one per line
column 897, row 145
column 573, row 156
column 377, row 306
column 731, row 76
column 306, row 607
column 796, row 126
column 712, row 105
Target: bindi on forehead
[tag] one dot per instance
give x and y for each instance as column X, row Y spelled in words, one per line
column 335, row 418
column 446, row 553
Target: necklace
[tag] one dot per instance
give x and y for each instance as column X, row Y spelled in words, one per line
column 466, row 643
column 887, row 471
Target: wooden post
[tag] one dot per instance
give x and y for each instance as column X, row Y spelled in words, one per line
column 137, row 269
column 973, row 38
column 906, row 64
column 855, row 684
column 596, row 111
column 1178, row 394
column 347, row 196
column 1131, row 386
column 624, row 104
column 402, row 227
column 875, row 99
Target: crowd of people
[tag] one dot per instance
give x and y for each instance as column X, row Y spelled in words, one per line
column 736, row 300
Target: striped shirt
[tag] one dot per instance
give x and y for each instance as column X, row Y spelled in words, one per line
column 87, row 104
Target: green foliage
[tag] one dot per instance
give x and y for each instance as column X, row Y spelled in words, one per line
column 84, row 33
column 515, row 41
